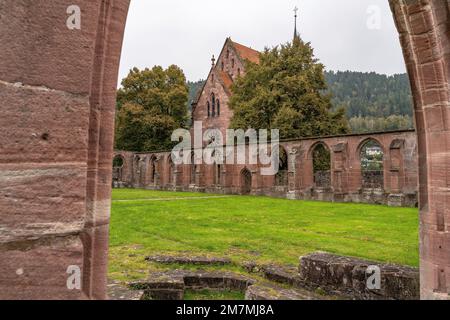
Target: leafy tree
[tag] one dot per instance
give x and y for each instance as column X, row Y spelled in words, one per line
column 151, row 105
column 286, row 91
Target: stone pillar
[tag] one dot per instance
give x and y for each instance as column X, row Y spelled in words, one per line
column 424, row 34
column 293, row 173
column 339, row 171
column 57, row 87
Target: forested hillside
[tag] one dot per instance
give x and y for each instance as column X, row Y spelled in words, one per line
column 194, row 87
column 370, row 94
column 373, row 102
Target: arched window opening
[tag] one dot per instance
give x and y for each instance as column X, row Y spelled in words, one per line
column 321, row 166
column 228, row 53
column 118, row 163
column 281, row 179
column 246, row 181
column 153, row 168
column 372, row 169
column 193, row 168
column 218, row 107
column 136, row 170
column 223, row 66
column 217, row 174
column 209, row 109
column 171, row 172
column 213, row 101
column 232, row 63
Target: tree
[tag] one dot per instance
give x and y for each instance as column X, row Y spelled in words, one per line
column 151, row 105
column 286, row 91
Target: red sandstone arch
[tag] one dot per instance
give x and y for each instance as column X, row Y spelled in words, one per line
column 245, row 181
column 68, row 80
column 311, row 159
column 381, row 180
column 363, row 143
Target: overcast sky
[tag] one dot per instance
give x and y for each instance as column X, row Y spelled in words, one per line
column 346, row 34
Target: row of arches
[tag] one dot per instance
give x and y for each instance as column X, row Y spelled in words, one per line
column 325, row 167
column 371, row 156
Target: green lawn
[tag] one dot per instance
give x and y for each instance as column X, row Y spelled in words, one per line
column 253, row 228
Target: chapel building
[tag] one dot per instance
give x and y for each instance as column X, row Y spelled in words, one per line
column 211, row 105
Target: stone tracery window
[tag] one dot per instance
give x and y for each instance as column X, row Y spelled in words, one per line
column 218, row 107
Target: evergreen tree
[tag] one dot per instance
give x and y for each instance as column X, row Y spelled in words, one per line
column 151, row 105
column 286, row 91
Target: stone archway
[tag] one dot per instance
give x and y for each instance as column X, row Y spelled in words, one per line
column 67, row 78
column 246, row 181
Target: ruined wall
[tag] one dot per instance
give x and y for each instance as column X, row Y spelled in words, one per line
column 57, row 93
column 345, row 182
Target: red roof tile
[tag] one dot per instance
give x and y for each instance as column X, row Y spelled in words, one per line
column 246, row 53
column 226, row 79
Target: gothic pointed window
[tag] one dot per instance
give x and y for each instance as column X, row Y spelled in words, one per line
column 218, row 107
column 209, row 109
column 232, row 63
column 213, row 100
column 223, row 66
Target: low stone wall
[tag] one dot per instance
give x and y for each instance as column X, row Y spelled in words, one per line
column 349, row 277
column 171, row 285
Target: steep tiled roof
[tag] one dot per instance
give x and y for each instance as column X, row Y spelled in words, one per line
column 226, row 80
column 246, row 53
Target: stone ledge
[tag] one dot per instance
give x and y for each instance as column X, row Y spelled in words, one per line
column 347, row 276
column 116, row 291
column 189, row 260
column 272, row 292
column 281, row 274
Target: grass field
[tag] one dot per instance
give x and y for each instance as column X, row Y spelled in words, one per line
column 246, row 228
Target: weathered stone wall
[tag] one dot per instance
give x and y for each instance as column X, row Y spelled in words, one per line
column 57, row 90
column 399, row 177
column 424, row 27
column 345, row 276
